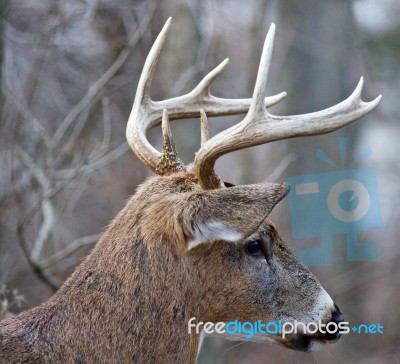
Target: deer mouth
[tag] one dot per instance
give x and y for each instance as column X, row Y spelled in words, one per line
column 301, row 342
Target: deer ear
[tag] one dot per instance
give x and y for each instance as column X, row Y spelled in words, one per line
column 231, row 214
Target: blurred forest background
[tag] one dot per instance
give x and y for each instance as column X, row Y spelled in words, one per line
column 69, row 71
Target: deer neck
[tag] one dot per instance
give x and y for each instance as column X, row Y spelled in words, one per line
column 133, row 296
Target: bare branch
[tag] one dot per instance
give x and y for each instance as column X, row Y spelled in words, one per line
column 281, row 167
column 95, row 88
column 36, row 171
column 26, row 113
column 49, row 214
column 96, row 163
column 47, row 207
column 68, row 250
column 45, row 277
column 105, row 102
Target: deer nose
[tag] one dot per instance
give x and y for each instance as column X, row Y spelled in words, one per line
column 336, row 318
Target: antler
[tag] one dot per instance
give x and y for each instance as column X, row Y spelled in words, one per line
column 147, row 113
column 259, row 126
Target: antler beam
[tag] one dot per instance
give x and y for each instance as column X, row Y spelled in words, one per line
column 259, row 126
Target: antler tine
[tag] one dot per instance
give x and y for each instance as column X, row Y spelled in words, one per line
column 204, row 127
column 169, row 160
column 205, row 84
column 260, row 89
column 188, row 105
column 147, row 113
column 150, row 65
column 259, row 126
column 138, row 122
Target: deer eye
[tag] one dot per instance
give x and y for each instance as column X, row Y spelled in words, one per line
column 254, row 248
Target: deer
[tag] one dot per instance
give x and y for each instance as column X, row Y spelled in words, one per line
column 187, row 244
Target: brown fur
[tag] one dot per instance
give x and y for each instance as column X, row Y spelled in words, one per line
column 131, row 298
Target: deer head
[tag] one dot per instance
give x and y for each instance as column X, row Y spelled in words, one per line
column 237, row 264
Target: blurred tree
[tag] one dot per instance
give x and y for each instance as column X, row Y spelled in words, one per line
column 68, row 73
column 54, row 144
column 2, row 16
column 320, row 68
